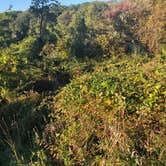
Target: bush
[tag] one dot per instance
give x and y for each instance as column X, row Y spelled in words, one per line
column 115, row 115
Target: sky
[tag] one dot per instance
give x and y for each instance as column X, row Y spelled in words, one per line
column 24, row 4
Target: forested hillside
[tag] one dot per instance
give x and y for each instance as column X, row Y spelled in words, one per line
column 83, row 84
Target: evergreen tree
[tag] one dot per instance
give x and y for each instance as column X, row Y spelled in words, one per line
column 41, row 9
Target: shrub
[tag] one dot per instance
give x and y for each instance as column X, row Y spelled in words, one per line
column 115, row 115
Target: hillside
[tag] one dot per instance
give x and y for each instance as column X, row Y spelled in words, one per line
column 83, row 84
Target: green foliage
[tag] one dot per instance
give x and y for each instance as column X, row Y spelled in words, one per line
column 21, row 25
column 14, row 59
column 41, row 9
column 76, row 30
column 6, row 20
column 83, row 84
column 108, row 116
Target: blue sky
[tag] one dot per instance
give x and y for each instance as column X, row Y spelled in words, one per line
column 24, row 4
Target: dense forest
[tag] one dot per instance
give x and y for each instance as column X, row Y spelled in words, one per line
column 83, row 85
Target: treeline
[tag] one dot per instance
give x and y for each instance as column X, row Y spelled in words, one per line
column 129, row 24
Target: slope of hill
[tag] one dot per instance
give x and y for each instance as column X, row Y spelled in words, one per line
column 84, row 84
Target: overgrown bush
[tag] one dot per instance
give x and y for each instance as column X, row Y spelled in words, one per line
column 115, row 115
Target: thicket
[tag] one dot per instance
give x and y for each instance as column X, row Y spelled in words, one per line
column 83, row 84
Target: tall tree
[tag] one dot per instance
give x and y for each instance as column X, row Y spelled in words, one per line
column 22, row 25
column 41, row 9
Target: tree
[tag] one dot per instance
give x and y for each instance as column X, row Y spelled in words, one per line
column 41, row 9
column 6, row 28
column 124, row 17
column 78, row 32
column 73, row 38
column 153, row 25
column 22, row 25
